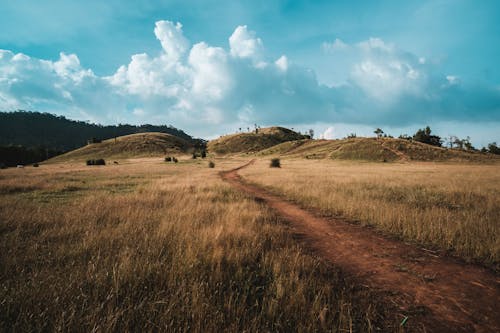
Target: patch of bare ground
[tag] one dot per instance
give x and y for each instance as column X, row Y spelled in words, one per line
column 441, row 293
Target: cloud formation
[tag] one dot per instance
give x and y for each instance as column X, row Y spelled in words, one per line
column 201, row 87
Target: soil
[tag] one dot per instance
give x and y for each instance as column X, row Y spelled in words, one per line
column 438, row 293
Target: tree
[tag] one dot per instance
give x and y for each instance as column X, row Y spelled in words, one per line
column 311, row 133
column 425, row 136
column 379, row 132
column 493, row 148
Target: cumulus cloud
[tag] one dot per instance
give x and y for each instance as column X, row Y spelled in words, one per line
column 201, row 87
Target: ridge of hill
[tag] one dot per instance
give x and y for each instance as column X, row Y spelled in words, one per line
column 129, row 146
column 374, row 149
column 253, row 142
column 35, row 129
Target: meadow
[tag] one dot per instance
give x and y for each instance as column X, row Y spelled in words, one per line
column 442, row 206
column 150, row 246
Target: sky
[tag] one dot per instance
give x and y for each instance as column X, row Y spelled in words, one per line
column 211, row 67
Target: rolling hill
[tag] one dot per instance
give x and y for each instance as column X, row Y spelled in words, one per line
column 253, row 142
column 129, row 146
column 373, row 149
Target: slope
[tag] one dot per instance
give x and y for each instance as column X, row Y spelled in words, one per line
column 373, row 149
column 254, row 141
column 129, row 146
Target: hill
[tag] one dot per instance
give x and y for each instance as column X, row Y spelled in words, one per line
column 129, row 146
column 35, row 129
column 254, row 141
column 373, row 149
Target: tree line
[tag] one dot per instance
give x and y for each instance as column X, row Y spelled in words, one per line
column 27, row 137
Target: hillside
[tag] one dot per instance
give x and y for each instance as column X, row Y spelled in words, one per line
column 253, row 142
column 35, row 129
column 373, row 149
column 129, row 146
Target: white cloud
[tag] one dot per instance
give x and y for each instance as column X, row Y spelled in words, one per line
column 282, row 63
column 337, row 45
column 202, row 88
column 244, row 44
column 172, row 40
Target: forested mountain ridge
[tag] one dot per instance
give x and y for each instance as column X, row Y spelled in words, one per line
column 35, row 129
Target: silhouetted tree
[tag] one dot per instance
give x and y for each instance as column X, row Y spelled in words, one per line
column 425, row 136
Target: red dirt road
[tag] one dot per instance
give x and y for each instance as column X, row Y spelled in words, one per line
column 438, row 293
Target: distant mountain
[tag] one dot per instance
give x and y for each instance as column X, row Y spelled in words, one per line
column 35, row 129
column 27, row 137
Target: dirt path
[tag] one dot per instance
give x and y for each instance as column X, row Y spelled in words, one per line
column 438, row 293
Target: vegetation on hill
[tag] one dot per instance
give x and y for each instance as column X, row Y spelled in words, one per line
column 28, row 137
column 374, row 149
column 128, row 146
column 253, row 141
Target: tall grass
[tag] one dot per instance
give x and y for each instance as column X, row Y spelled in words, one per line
column 149, row 246
column 449, row 206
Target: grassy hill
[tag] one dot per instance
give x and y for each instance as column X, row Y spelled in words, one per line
column 128, row 146
column 253, row 142
column 373, row 149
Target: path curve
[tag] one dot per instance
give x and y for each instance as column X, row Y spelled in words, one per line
column 452, row 296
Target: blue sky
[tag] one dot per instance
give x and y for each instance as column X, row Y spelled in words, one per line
column 210, row 67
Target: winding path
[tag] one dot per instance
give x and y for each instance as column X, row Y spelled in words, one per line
column 437, row 293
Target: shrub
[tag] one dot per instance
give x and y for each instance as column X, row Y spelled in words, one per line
column 275, row 163
column 194, row 156
column 174, row 159
column 35, row 165
column 203, row 153
column 211, row 164
column 168, row 159
column 99, row 161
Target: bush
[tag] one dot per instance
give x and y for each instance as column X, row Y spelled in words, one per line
column 194, row 156
column 211, row 164
column 174, row 160
column 35, row 165
column 168, row 159
column 203, row 153
column 99, row 161
column 275, row 163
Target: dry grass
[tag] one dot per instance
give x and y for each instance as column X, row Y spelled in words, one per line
column 251, row 141
column 150, row 246
column 129, row 146
column 449, row 206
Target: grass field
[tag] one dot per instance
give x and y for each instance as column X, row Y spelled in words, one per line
column 455, row 207
column 147, row 246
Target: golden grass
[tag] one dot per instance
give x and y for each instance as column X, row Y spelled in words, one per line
column 128, row 146
column 149, row 246
column 449, row 206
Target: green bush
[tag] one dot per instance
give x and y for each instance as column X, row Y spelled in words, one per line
column 168, row 159
column 211, row 164
column 99, row 161
column 275, row 163
column 174, row 160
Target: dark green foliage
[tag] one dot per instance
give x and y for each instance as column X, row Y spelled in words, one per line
column 168, row 159
column 174, row 160
column 36, row 165
column 211, row 164
column 99, row 161
column 425, row 136
column 194, row 156
column 275, row 163
column 57, row 133
column 493, row 148
column 203, row 153
column 13, row 155
column 378, row 132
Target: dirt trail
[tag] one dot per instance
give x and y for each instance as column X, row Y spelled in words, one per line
column 438, row 293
